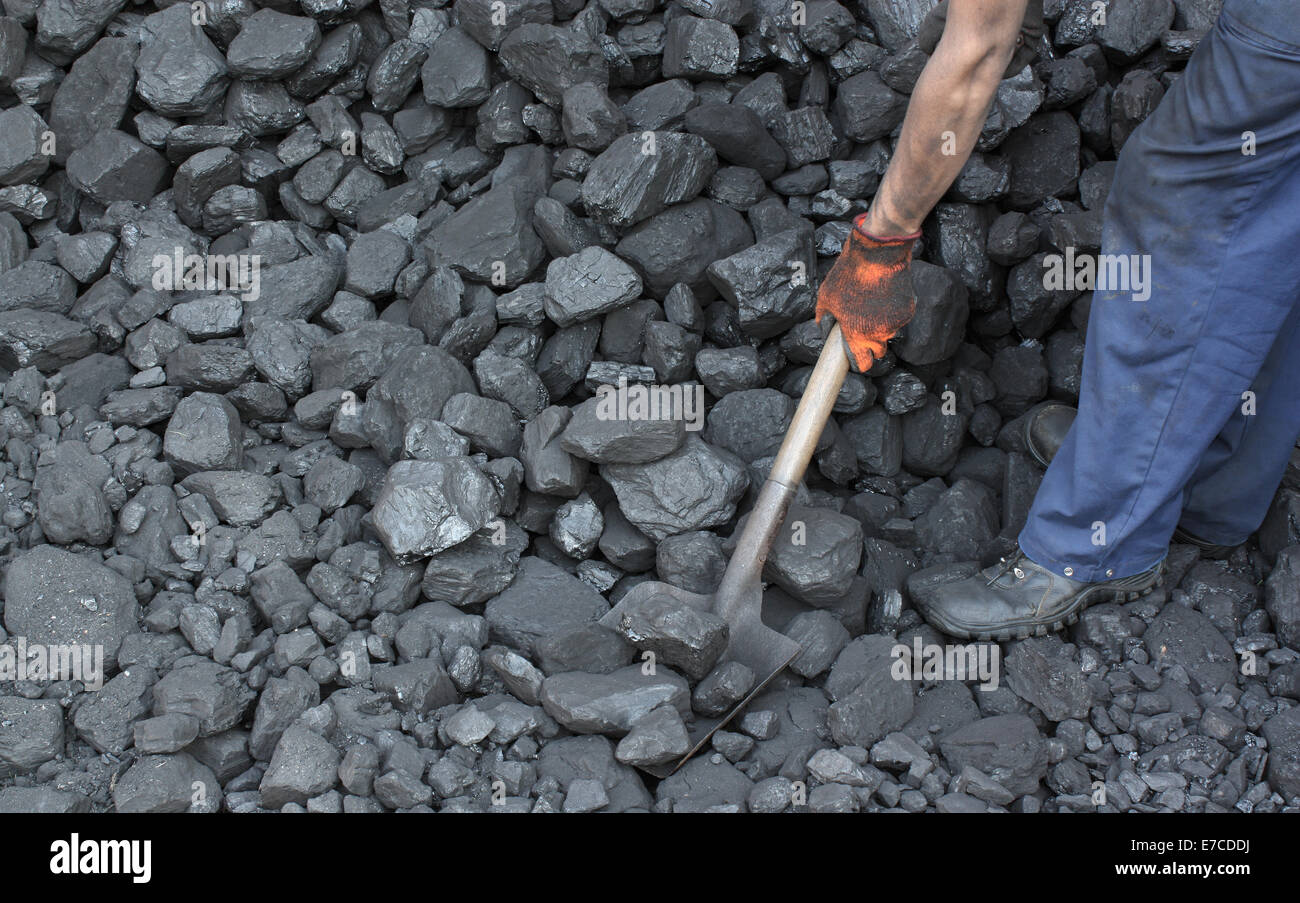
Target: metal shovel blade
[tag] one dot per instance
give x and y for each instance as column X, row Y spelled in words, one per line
column 750, row 642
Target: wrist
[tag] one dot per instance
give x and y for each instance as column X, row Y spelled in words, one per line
column 884, row 229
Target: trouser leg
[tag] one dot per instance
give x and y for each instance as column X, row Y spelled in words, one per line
column 1162, row 377
column 1229, row 494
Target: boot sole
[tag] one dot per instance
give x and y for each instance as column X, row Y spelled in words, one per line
column 1114, row 591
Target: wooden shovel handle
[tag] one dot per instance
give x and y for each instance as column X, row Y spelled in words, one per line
column 813, row 411
column 736, row 588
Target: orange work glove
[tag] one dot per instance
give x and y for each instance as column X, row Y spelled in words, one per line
column 869, row 293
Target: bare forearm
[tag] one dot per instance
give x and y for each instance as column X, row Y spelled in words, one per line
column 949, row 105
column 943, row 123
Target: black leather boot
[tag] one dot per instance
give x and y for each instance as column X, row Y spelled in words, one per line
column 1045, row 430
column 1018, row 598
column 1208, row 549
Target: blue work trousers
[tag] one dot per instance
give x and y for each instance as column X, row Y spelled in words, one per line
column 1190, row 400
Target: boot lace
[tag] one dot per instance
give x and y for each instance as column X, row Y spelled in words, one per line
column 1009, row 563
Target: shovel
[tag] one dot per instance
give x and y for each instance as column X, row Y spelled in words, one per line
column 739, row 597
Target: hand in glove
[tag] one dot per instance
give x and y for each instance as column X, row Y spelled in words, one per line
column 869, row 293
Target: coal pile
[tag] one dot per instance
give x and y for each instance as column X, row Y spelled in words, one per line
column 343, row 523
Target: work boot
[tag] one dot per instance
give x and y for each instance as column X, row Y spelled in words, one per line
column 1018, row 598
column 1045, row 430
column 1208, row 549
